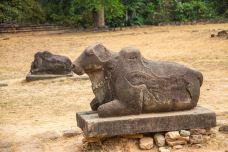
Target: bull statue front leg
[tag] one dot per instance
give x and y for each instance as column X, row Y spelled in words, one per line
column 116, row 108
column 94, row 104
column 129, row 103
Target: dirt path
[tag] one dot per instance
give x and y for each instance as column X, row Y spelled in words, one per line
column 28, row 109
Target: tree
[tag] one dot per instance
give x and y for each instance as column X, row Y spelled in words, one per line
column 98, row 9
column 21, row 11
column 113, row 13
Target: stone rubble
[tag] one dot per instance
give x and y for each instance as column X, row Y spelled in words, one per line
column 206, row 139
column 146, row 143
column 167, row 141
column 71, row 133
column 176, row 139
column 172, row 135
column 196, row 139
column 198, row 131
column 185, row 133
column 159, row 140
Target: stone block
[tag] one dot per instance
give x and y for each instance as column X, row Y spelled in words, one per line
column 93, row 126
column 34, row 77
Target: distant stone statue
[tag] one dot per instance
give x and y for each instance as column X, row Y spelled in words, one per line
column 48, row 63
column 126, row 83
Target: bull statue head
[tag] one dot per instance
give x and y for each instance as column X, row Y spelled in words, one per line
column 91, row 59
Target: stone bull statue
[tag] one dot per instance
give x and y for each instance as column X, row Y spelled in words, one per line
column 126, row 83
column 48, row 63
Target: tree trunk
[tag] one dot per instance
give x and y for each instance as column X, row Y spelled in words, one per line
column 100, row 19
column 126, row 16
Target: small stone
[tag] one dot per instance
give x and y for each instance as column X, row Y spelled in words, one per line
column 146, row 143
column 206, row 138
column 71, row 133
column 196, row 139
column 209, row 131
column 172, row 135
column 178, row 147
column 186, row 138
column 3, row 84
column 198, row 131
column 174, row 138
column 176, row 142
column 49, row 135
column 212, row 35
column 163, row 149
column 159, row 140
column 223, row 128
column 6, row 38
column 185, row 133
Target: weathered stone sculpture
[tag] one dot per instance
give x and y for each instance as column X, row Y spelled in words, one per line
column 48, row 63
column 125, row 83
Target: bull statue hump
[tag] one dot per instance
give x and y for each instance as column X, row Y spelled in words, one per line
column 126, row 83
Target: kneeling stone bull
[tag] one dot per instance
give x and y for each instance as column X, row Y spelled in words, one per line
column 126, row 83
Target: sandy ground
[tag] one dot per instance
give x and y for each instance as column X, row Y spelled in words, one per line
column 28, row 109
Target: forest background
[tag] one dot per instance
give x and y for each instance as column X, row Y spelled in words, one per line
column 110, row 13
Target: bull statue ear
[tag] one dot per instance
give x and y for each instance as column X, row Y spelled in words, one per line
column 46, row 54
column 101, row 52
column 89, row 50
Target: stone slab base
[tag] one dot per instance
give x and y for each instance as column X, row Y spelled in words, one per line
column 93, row 126
column 34, row 77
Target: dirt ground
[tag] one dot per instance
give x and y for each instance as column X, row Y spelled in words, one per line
column 31, row 109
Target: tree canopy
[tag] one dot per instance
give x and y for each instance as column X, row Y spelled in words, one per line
column 81, row 13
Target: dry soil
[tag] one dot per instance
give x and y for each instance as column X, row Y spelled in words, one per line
column 30, row 109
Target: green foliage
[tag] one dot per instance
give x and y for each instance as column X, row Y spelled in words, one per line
column 134, row 12
column 220, row 6
column 226, row 14
column 149, row 13
column 193, row 10
column 62, row 12
column 21, row 11
column 117, row 12
column 163, row 11
column 114, row 13
column 8, row 14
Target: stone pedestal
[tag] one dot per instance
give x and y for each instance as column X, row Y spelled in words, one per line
column 34, row 77
column 93, row 126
